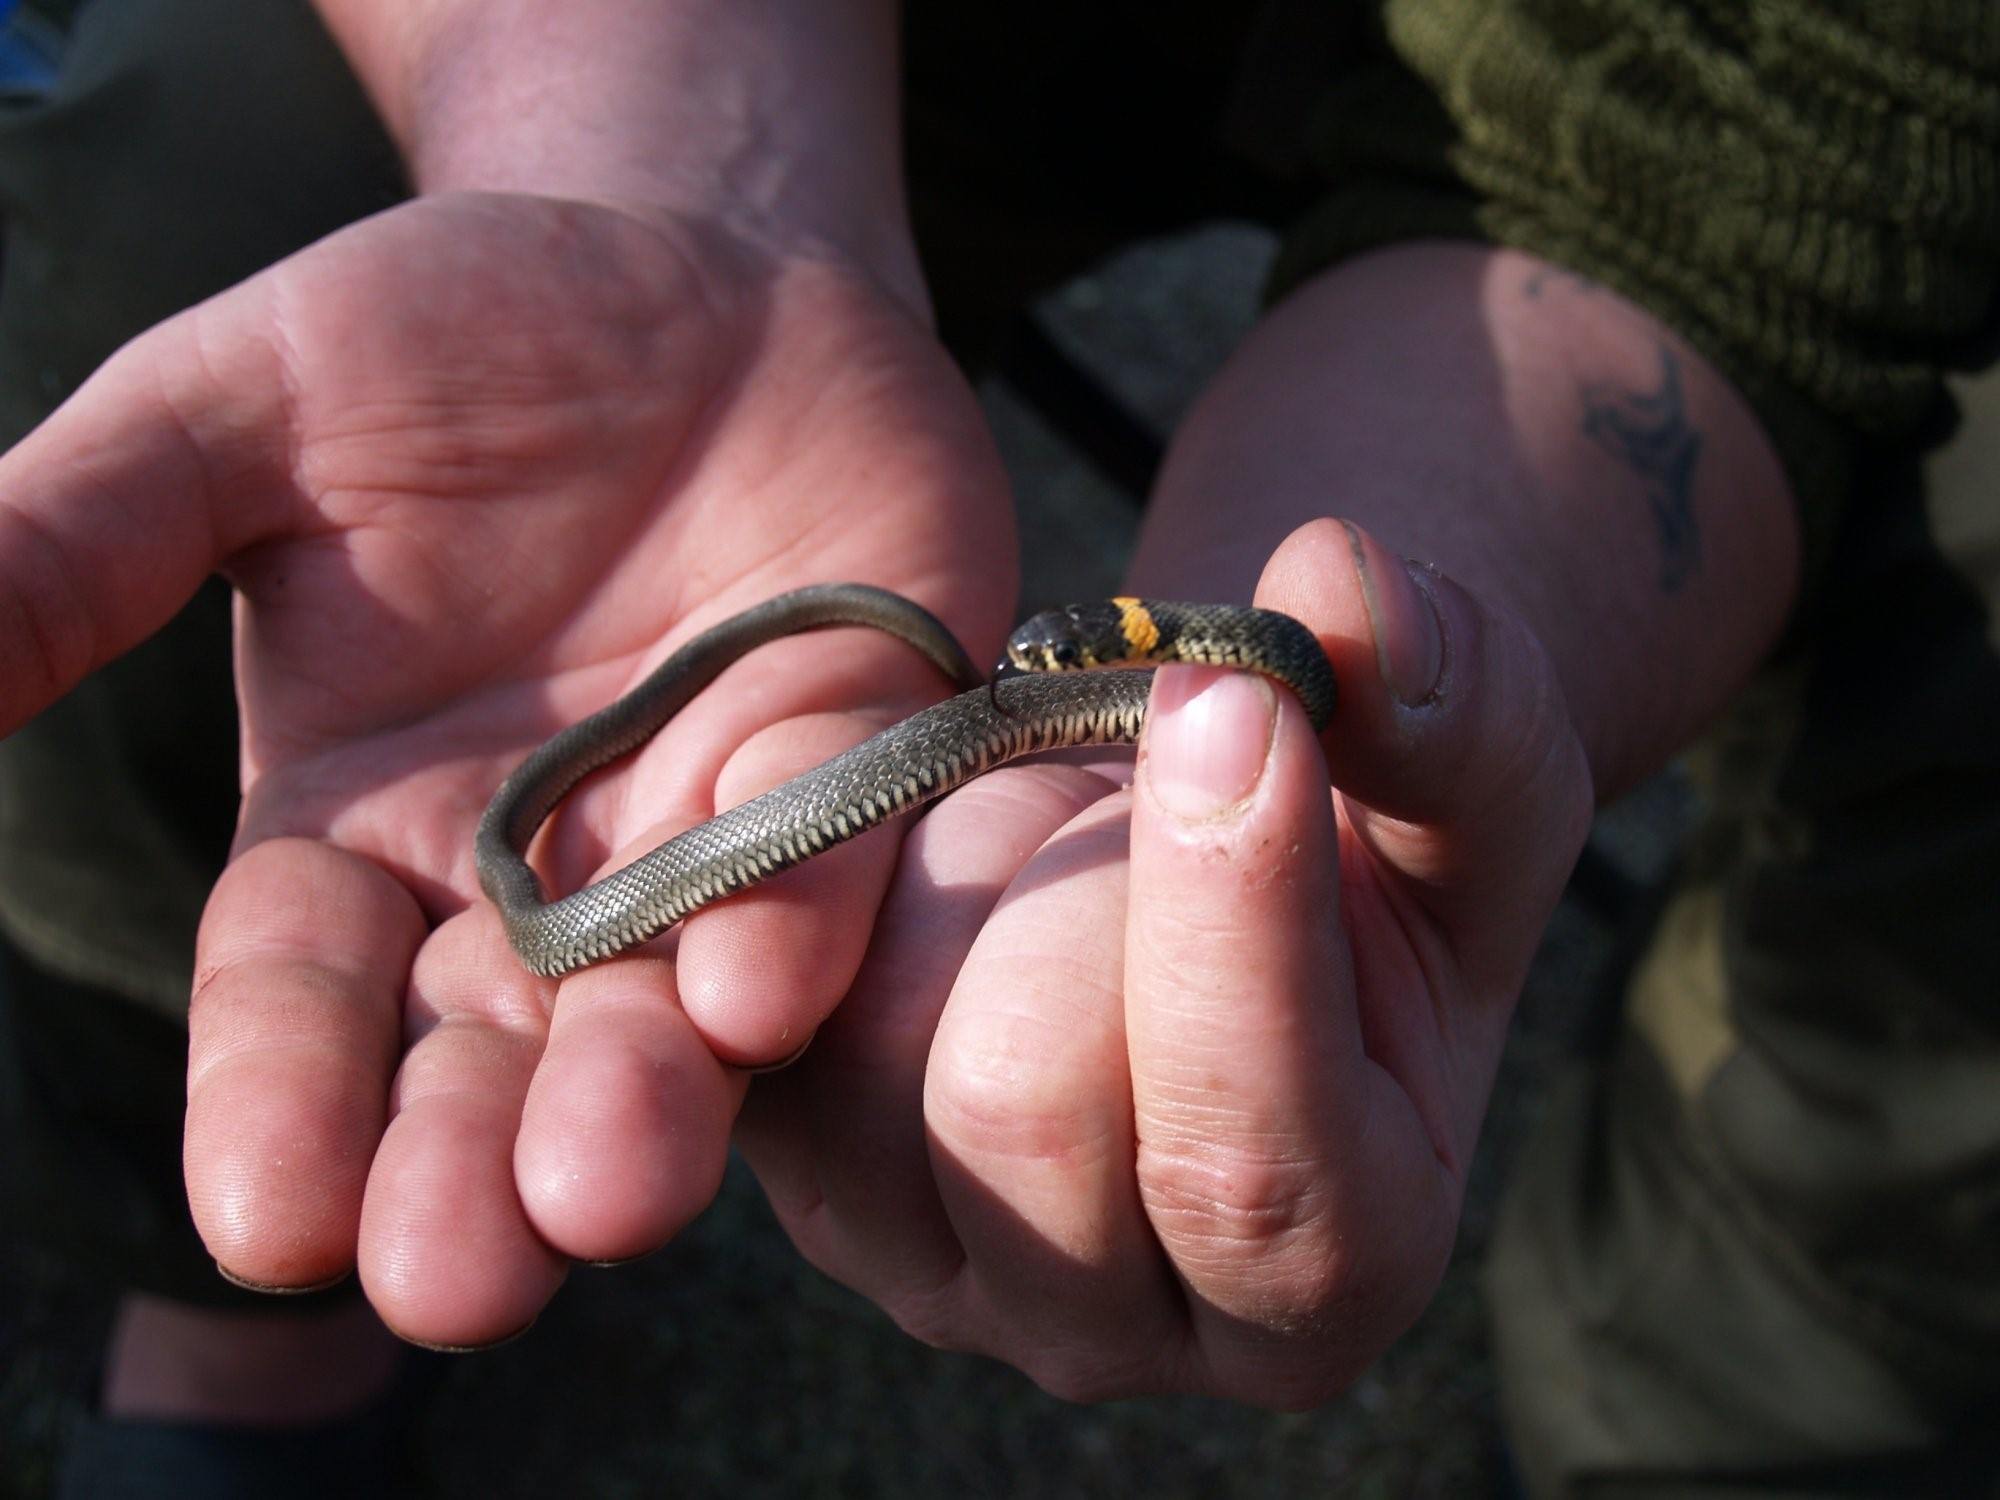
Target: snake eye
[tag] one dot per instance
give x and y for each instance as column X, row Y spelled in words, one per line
column 1066, row 655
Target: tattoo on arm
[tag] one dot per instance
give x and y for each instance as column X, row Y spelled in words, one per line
column 1650, row 434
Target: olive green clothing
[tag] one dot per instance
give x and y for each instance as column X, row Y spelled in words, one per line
column 1764, row 1234
column 1807, row 190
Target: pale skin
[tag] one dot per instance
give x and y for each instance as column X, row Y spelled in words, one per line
column 1162, row 1088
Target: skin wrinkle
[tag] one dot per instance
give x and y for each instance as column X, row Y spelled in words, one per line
column 1283, row 1285
column 337, row 1056
column 299, row 516
column 251, row 941
column 1057, row 983
column 823, row 535
column 311, row 986
column 1048, row 1139
column 1322, row 1290
column 1190, row 949
column 936, row 1314
column 225, row 495
column 587, row 601
column 1281, row 1033
column 1248, row 1200
column 505, row 1011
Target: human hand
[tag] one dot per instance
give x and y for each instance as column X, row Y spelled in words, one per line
column 1199, row 1119
column 1174, row 1088
column 473, row 466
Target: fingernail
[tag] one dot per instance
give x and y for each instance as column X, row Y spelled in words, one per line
column 784, row 1062
column 279, row 1291
column 1208, row 737
column 1409, row 648
column 505, row 1338
column 621, row 1260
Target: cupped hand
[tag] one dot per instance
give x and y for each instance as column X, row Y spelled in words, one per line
column 1174, row 1087
column 474, row 466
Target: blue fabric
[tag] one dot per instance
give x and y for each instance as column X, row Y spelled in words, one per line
column 27, row 63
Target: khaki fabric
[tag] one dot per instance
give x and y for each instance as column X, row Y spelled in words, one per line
column 1758, row 1252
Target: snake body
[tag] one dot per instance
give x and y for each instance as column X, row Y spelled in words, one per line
column 1037, row 703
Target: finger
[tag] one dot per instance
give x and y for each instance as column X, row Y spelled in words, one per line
column 1267, row 1138
column 115, row 509
column 625, row 1131
column 839, row 1141
column 760, row 972
column 293, row 1035
column 1030, row 1114
column 448, row 1254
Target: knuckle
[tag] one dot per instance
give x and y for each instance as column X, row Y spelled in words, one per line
column 1257, row 1236
column 933, row 1318
column 1241, row 1203
column 994, row 1091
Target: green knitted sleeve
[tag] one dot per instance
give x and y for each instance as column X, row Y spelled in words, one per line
column 1809, row 192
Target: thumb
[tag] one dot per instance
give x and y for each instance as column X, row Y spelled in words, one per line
column 1453, row 749
column 114, row 510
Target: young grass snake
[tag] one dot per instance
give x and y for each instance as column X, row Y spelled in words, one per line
column 1037, row 701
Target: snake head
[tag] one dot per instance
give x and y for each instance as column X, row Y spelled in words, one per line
column 1076, row 637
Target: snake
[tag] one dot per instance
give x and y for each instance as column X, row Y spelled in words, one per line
column 1046, row 694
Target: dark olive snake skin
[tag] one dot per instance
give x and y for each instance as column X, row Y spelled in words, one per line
column 903, row 767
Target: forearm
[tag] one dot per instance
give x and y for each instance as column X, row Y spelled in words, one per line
column 1541, row 440
column 779, row 115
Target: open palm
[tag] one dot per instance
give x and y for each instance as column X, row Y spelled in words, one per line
column 474, row 466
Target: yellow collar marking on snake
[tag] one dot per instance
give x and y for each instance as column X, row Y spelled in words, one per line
column 1142, row 633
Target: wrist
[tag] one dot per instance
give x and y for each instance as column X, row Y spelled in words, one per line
column 777, row 119
column 1462, row 404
